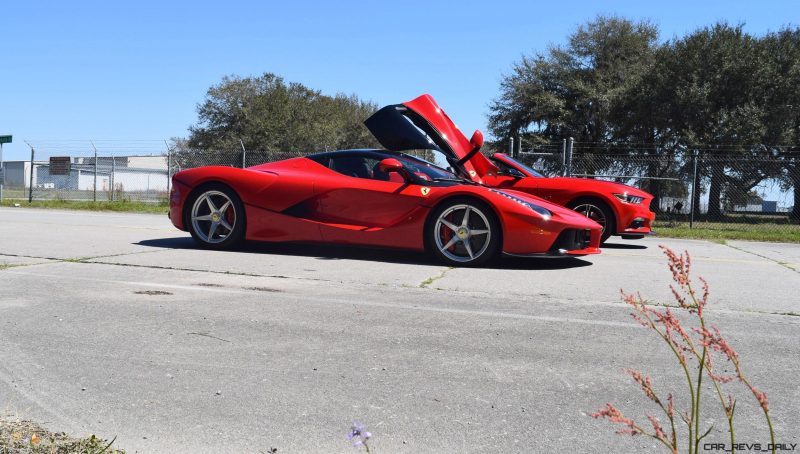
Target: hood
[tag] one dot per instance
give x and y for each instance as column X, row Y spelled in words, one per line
column 422, row 124
column 609, row 186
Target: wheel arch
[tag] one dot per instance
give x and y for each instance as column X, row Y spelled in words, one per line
column 595, row 196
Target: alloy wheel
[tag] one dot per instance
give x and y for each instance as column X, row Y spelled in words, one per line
column 462, row 233
column 213, row 217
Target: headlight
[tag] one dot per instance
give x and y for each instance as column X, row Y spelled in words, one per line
column 625, row 198
column 542, row 211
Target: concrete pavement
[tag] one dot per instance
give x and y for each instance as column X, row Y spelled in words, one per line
column 114, row 324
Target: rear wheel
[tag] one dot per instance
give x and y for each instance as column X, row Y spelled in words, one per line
column 463, row 232
column 216, row 217
column 599, row 212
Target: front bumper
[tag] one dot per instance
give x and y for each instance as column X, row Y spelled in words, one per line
column 635, row 220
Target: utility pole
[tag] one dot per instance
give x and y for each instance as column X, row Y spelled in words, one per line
column 30, row 185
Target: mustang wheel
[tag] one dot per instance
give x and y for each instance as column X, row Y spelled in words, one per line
column 216, row 219
column 597, row 211
column 463, row 232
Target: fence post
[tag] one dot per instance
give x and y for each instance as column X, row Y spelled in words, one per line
column 113, row 171
column 694, row 188
column 169, row 168
column 30, row 186
column 244, row 154
column 511, row 146
column 94, row 190
column 2, row 172
column 563, row 157
column 569, row 156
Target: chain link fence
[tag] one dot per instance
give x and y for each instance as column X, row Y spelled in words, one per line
column 709, row 187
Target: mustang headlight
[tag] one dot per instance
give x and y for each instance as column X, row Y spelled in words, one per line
column 542, row 211
column 625, row 198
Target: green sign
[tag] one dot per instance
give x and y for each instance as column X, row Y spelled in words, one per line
column 5, row 139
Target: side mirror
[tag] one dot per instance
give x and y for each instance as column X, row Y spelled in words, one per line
column 477, row 139
column 390, row 165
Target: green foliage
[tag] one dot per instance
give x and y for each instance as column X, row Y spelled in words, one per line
column 573, row 90
column 717, row 90
column 267, row 114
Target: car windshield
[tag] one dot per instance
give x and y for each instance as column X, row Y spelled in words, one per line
column 522, row 166
column 432, row 163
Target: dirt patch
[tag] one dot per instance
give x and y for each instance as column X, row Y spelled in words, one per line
column 18, row 437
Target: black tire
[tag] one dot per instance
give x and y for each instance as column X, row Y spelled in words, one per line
column 593, row 208
column 469, row 247
column 199, row 218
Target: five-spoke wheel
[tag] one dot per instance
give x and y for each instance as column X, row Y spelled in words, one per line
column 463, row 232
column 216, row 217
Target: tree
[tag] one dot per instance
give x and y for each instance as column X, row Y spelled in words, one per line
column 270, row 115
column 574, row 90
column 714, row 85
column 782, row 76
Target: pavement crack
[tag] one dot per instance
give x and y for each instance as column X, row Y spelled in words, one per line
column 427, row 282
column 209, row 335
column 196, row 270
column 786, row 265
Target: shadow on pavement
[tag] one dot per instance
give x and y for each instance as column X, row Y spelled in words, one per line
column 608, row 245
column 337, row 252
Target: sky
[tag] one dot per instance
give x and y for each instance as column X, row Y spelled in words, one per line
column 130, row 74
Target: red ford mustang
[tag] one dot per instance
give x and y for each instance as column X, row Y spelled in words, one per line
column 619, row 209
column 381, row 198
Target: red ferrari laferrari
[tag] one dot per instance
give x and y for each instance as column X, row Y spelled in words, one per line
column 619, row 209
column 421, row 200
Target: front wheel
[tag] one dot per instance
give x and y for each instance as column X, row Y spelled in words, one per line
column 599, row 212
column 216, row 217
column 463, row 232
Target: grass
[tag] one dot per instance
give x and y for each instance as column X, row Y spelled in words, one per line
column 122, row 206
column 720, row 232
column 17, row 437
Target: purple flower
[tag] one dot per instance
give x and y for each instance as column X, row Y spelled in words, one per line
column 359, row 435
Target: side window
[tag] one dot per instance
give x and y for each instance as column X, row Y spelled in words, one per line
column 355, row 166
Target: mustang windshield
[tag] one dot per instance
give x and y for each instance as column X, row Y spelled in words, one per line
column 524, row 167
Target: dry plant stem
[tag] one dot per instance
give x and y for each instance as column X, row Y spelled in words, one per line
column 682, row 362
column 682, row 342
column 697, row 307
column 762, row 405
